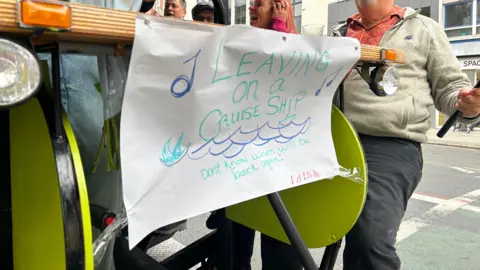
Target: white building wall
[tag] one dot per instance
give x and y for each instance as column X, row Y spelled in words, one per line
column 313, row 11
column 190, row 5
column 316, row 12
column 466, row 48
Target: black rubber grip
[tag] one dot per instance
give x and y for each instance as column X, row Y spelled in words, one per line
column 452, row 119
column 450, row 122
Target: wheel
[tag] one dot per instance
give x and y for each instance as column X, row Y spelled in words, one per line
column 6, row 244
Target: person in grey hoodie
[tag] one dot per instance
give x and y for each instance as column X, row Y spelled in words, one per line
column 392, row 128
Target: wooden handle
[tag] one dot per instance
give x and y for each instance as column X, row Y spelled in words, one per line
column 98, row 25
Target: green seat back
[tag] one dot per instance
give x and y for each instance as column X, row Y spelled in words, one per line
column 83, row 194
column 37, row 221
column 323, row 211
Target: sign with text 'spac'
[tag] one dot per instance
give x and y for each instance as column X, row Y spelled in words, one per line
column 213, row 116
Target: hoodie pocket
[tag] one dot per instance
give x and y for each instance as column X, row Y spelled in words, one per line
column 408, row 111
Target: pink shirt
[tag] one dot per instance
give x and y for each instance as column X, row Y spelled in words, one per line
column 279, row 25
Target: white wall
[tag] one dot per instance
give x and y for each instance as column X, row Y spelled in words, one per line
column 190, row 5
column 316, row 12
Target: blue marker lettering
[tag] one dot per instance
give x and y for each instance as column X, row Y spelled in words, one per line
column 246, row 88
column 201, row 128
column 275, row 133
column 283, row 67
column 295, row 67
column 184, row 78
column 328, row 81
column 246, row 114
column 307, row 63
column 276, row 86
column 298, row 97
column 214, row 80
column 218, row 119
column 323, row 61
column 271, row 104
column 242, row 62
column 268, row 62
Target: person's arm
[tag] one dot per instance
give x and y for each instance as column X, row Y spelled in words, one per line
column 444, row 73
column 280, row 25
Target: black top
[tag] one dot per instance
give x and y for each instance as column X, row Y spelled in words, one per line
column 146, row 6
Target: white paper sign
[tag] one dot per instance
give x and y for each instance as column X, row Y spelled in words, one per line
column 213, row 116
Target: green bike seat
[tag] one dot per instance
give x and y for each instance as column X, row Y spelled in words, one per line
column 38, row 223
column 323, row 211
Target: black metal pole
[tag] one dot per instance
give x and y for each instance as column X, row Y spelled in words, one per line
column 341, row 97
column 330, row 256
column 219, row 11
column 292, row 231
column 223, row 242
column 57, row 102
column 6, row 240
column 452, row 119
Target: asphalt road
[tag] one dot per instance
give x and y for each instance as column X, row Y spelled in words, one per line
column 441, row 229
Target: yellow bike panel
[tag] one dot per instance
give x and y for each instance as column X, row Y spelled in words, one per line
column 323, row 211
column 38, row 237
column 83, row 194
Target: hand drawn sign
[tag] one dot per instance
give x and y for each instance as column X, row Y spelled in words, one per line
column 237, row 114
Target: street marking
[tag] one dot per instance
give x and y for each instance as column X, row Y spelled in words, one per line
column 447, row 165
column 471, row 208
column 436, row 200
column 426, row 198
column 462, row 170
column 473, row 169
column 443, row 207
column 414, row 224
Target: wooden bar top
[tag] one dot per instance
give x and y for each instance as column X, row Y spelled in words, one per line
column 98, row 25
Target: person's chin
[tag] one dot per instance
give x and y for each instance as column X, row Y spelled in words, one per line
column 254, row 23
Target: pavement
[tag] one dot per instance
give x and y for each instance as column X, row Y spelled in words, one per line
column 441, row 228
column 456, row 139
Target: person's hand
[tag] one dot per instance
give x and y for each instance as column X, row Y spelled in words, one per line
column 469, row 102
column 280, row 9
column 153, row 12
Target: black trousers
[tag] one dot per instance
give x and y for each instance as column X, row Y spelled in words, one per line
column 275, row 255
column 394, row 171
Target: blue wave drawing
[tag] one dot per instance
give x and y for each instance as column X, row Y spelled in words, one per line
column 171, row 157
column 233, row 147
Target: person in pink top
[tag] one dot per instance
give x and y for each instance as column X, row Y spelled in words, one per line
column 275, row 15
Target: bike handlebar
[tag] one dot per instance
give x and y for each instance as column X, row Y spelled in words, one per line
column 452, row 119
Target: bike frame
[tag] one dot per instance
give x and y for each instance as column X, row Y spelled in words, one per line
column 214, row 246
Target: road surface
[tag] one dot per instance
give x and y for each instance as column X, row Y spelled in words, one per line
column 441, row 229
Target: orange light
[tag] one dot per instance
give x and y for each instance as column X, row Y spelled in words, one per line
column 45, row 14
column 390, row 55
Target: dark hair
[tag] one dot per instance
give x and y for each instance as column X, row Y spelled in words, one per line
column 201, row 6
